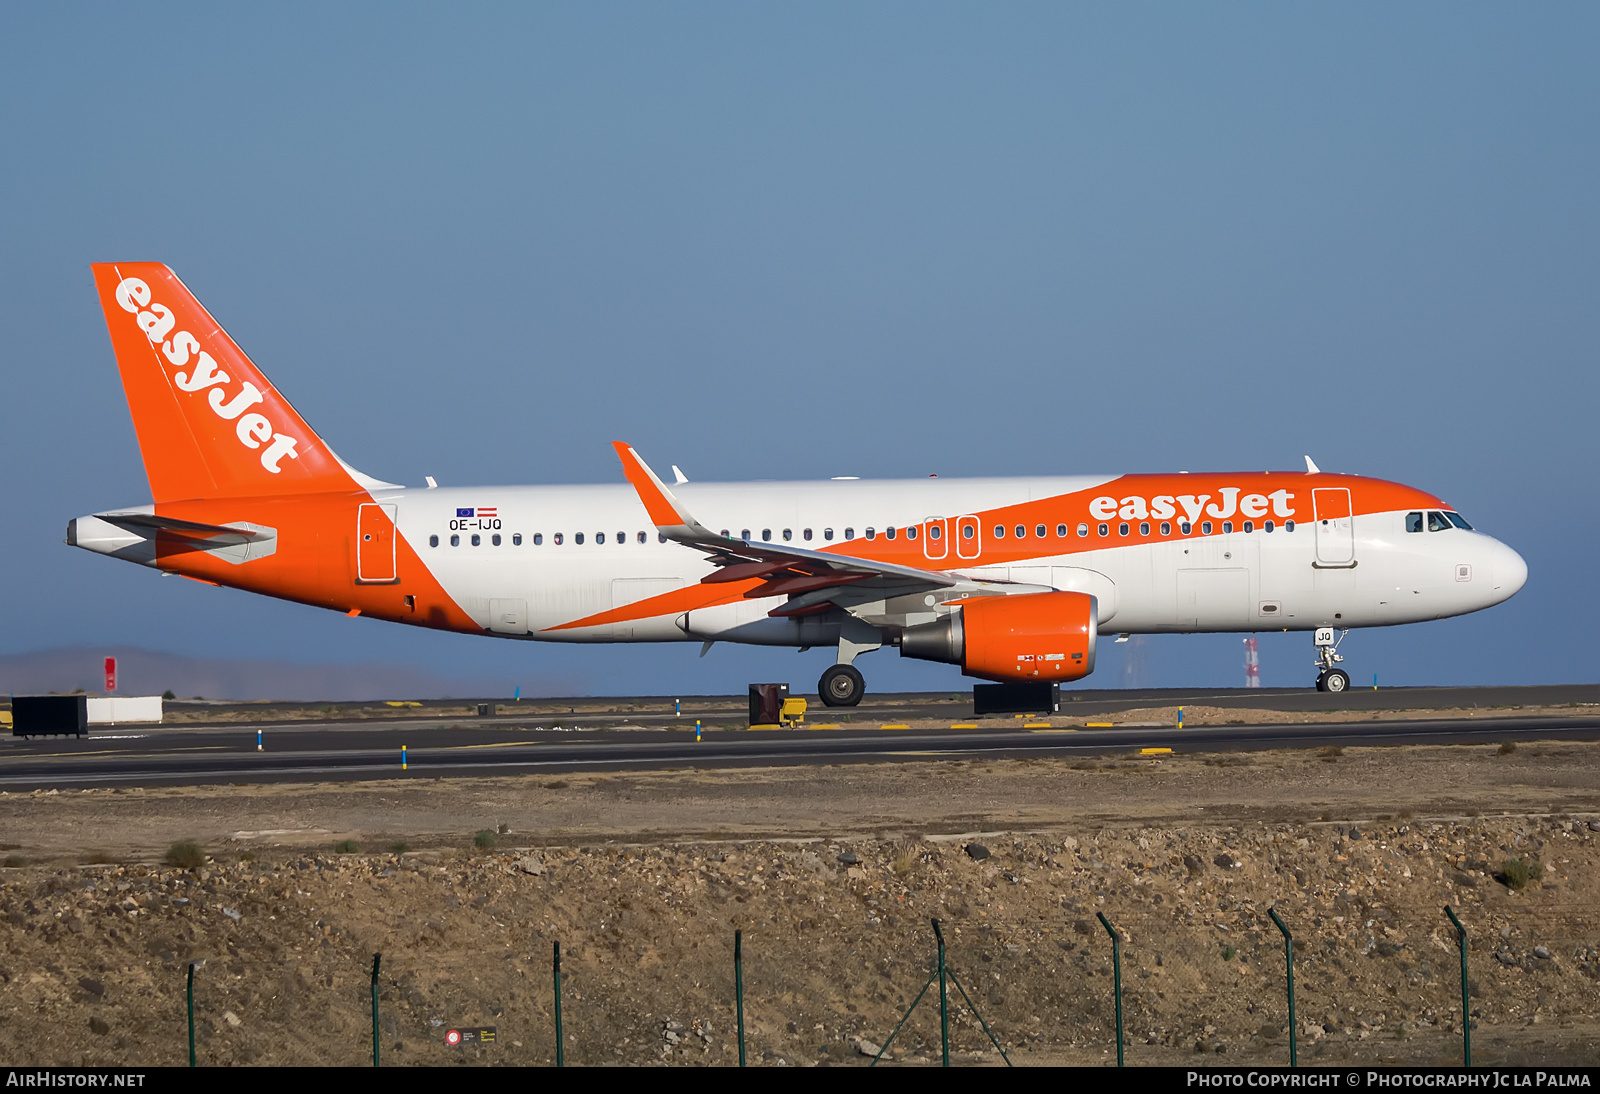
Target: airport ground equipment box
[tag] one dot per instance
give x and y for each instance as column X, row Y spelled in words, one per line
column 49, row 715
column 766, row 703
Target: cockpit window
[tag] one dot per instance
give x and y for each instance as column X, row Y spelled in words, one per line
column 1437, row 522
column 1413, row 522
column 1459, row 521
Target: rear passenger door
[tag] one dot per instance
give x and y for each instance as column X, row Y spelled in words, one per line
column 375, row 545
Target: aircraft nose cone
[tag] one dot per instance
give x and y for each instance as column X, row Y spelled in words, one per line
column 1510, row 571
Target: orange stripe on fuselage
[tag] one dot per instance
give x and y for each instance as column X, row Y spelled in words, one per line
column 315, row 560
column 1367, row 496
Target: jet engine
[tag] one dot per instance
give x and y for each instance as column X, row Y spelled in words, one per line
column 1031, row 636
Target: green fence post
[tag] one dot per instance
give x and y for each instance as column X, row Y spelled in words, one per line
column 1466, row 1001
column 1288, row 961
column 191, row 1014
column 944, row 1000
column 738, row 988
column 561, row 1058
column 1116, row 975
column 376, row 959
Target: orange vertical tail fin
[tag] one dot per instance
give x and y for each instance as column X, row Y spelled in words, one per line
column 209, row 423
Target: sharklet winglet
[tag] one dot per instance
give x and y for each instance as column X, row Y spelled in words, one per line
column 665, row 510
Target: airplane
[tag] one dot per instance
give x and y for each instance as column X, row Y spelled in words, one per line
column 1011, row 579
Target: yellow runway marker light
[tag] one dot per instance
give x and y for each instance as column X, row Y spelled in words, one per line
column 1154, row 751
column 965, row 725
column 894, row 727
column 1100, row 725
column 1036, row 725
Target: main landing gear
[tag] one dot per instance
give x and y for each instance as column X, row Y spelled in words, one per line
column 1330, row 678
column 842, row 686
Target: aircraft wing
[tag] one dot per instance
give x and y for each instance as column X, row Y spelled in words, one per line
column 787, row 569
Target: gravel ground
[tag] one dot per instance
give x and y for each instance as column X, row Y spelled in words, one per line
column 644, row 877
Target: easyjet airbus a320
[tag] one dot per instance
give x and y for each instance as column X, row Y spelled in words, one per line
column 1012, row 579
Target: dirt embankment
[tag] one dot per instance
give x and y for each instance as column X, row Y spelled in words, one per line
column 644, row 878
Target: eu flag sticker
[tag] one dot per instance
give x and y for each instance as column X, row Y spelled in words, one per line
column 463, row 512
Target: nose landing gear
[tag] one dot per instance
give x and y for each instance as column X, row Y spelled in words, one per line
column 1330, row 678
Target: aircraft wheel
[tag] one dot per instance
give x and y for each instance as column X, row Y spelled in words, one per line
column 1336, row 680
column 841, row 686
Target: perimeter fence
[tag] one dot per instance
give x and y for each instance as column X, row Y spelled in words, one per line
column 1143, row 946
column 1116, row 984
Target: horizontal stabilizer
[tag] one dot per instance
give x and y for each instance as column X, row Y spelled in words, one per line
column 189, row 528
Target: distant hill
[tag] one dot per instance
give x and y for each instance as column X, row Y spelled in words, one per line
column 151, row 672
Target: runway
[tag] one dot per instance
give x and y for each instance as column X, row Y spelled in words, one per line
column 536, row 738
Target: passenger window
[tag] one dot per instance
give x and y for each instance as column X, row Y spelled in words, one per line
column 806, row 535
column 495, row 539
column 477, row 541
column 889, row 531
column 1205, row 528
column 433, row 541
column 1437, row 522
column 1249, row 526
column 1105, row 529
column 788, row 534
column 1227, row 527
column 1122, row 529
column 455, row 541
column 1144, row 528
column 1288, row 526
column 1166, row 527
column 1083, row 530
column 872, row 533
column 827, row 534
column 724, row 533
column 911, row 532
column 1039, row 531
column 661, row 537
column 599, row 537
column 744, row 534
column 1267, row 526
column 1413, row 522
column 559, row 539
column 622, row 538
column 766, row 535
column 577, row 538
column 1022, row 533
column 849, row 533
column 1459, row 521
column 644, row 537
column 968, row 531
column 538, row 539
column 999, row 531
column 935, row 532
column 1185, row 527
column 1061, row 531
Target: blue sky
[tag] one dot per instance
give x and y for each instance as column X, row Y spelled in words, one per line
column 791, row 242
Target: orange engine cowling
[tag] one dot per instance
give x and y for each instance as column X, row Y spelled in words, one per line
column 1031, row 636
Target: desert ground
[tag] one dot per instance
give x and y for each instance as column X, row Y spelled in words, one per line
column 832, row 874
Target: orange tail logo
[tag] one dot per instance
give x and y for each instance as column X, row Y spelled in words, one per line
column 209, row 423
